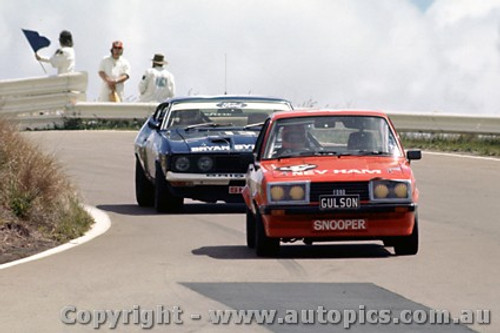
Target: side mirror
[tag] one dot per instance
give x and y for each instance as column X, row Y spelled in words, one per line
column 153, row 124
column 255, row 161
column 413, row 155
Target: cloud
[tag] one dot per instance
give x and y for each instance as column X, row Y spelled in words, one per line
column 381, row 54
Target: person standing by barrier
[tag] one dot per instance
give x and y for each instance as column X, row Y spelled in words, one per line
column 64, row 57
column 114, row 70
column 157, row 84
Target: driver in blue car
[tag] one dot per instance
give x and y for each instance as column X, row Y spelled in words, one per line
column 190, row 117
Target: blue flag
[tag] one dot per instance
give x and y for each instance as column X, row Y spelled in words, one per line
column 36, row 41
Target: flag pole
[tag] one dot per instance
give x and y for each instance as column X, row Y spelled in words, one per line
column 44, row 70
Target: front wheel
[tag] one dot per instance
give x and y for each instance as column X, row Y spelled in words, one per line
column 144, row 189
column 164, row 201
column 264, row 246
column 407, row 245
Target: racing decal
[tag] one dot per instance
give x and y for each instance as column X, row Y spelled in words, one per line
column 325, row 172
column 244, row 146
column 225, row 175
column 231, row 105
column 298, row 168
column 210, row 148
column 339, row 225
column 238, row 147
column 358, row 171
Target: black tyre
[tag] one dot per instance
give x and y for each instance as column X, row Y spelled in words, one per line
column 407, row 245
column 164, row 201
column 250, row 229
column 144, row 189
column 264, row 246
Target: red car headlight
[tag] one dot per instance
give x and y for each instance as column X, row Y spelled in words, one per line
column 288, row 192
column 390, row 190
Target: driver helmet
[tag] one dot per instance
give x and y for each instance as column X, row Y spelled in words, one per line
column 293, row 137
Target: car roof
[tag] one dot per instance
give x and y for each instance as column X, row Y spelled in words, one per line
column 313, row 113
column 194, row 99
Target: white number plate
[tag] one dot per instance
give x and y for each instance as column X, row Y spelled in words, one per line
column 338, row 202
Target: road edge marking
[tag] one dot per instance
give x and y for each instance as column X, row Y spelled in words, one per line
column 101, row 224
column 485, row 158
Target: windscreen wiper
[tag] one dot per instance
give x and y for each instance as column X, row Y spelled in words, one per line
column 253, row 125
column 331, row 153
column 372, row 152
column 187, row 128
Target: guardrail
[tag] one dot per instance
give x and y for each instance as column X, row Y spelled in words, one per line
column 445, row 123
column 40, row 102
column 42, row 93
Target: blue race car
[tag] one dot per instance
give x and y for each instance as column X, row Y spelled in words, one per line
column 198, row 148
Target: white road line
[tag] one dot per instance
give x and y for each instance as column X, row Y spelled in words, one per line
column 101, row 225
column 496, row 159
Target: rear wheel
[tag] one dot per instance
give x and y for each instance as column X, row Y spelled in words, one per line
column 250, row 229
column 407, row 245
column 164, row 201
column 144, row 189
column 264, row 246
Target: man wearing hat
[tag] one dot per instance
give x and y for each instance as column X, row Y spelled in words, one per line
column 157, row 84
column 64, row 57
column 114, row 70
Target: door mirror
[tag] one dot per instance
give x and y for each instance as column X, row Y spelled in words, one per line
column 413, row 155
column 255, row 161
column 153, row 124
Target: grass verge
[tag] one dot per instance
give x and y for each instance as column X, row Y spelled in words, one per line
column 471, row 144
column 39, row 207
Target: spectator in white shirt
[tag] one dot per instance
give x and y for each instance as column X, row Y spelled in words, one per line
column 114, row 70
column 157, row 84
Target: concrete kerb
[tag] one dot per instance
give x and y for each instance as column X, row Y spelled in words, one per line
column 100, row 226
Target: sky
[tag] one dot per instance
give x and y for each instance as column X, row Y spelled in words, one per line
column 394, row 55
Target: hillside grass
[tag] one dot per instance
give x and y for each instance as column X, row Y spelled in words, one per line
column 39, row 207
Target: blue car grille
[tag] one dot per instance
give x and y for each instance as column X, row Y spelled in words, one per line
column 228, row 163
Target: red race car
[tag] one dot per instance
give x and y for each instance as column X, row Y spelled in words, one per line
column 327, row 176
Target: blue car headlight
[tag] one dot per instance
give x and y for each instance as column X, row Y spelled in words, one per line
column 182, row 163
column 205, row 163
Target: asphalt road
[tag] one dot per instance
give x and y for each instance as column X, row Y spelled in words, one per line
column 179, row 267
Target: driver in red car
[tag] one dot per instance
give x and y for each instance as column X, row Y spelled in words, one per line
column 293, row 139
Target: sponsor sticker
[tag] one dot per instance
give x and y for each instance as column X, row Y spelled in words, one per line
column 310, row 170
column 238, row 147
column 297, row 168
column 340, row 225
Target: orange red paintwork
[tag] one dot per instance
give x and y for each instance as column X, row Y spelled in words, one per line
column 288, row 221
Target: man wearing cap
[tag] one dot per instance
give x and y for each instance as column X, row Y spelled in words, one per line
column 64, row 57
column 114, row 70
column 157, row 84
